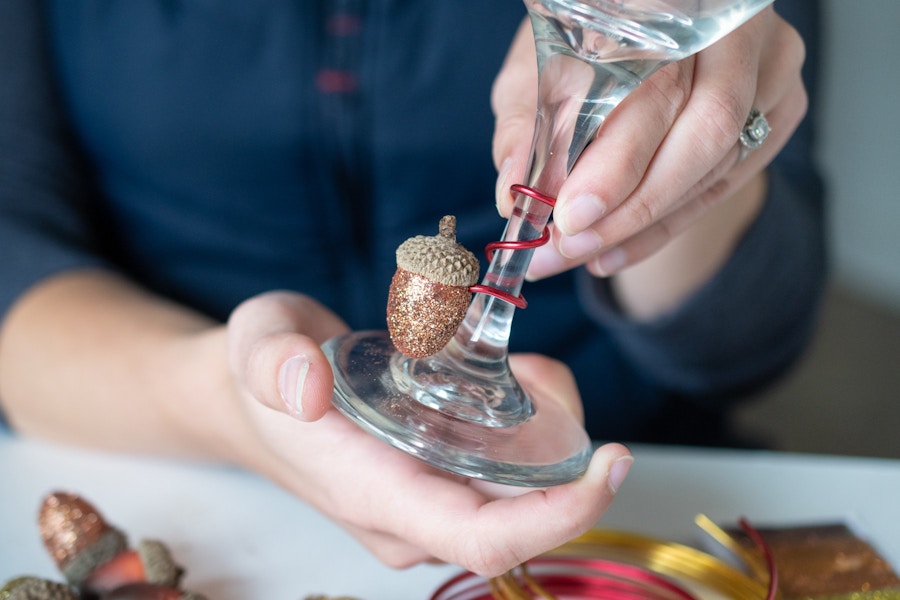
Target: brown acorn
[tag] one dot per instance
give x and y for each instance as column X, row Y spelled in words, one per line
column 151, row 562
column 77, row 536
column 34, row 588
column 429, row 293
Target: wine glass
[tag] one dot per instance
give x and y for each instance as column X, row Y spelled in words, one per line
column 462, row 410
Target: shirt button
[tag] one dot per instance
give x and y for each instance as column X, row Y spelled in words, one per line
column 343, row 24
column 334, row 81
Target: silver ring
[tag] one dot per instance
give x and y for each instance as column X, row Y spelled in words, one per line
column 756, row 130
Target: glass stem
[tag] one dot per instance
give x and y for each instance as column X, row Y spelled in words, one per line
column 574, row 99
column 470, row 378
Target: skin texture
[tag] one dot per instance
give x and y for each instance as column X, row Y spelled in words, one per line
column 91, row 358
column 676, row 197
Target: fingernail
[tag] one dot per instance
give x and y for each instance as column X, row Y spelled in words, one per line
column 291, row 379
column 611, row 261
column 581, row 244
column 618, row 471
column 579, row 213
column 502, row 189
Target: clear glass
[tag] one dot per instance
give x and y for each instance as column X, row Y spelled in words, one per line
column 462, row 409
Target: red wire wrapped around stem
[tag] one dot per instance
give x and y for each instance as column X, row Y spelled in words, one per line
column 518, row 301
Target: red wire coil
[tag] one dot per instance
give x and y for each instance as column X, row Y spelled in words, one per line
column 592, row 578
column 518, row 301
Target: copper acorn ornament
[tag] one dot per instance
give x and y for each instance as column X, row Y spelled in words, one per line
column 429, row 293
column 77, row 536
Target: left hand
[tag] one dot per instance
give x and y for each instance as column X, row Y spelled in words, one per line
column 665, row 156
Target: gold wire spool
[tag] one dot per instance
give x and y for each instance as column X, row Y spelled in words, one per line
column 694, row 571
column 683, row 564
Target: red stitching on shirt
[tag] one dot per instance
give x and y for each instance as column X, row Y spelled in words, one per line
column 334, row 81
column 344, row 24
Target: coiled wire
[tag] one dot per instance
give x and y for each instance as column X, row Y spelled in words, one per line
column 625, row 566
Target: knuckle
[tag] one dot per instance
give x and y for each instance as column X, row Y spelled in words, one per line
column 671, row 86
column 488, row 565
column 639, row 213
column 484, row 557
column 724, row 111
column 791, row 47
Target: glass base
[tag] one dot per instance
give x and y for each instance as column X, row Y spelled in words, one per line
column 549, row 448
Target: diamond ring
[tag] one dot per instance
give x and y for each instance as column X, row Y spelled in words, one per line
column 756, row 130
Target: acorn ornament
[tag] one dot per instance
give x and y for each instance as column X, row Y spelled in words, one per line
column 94, row 555
column 77, row 536
column 429, row 293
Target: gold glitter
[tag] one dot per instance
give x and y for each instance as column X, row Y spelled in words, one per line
column 68, row 524
column 423, row 315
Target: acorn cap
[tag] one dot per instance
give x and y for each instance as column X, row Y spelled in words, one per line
column 110, row 544
column 439, row 257
column 35, row 588
column 159, row 566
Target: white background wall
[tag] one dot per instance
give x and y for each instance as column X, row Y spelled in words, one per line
column 859, row 134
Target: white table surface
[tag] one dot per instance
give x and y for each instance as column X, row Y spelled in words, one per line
column 242, row 538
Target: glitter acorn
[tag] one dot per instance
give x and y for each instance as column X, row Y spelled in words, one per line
column 77, row 537
column 151, row 562
column 34, row 588
column 429, row 293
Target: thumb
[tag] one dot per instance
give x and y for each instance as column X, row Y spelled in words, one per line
column 275, row 356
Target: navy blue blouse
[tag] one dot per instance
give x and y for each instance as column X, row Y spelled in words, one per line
column 215, row 149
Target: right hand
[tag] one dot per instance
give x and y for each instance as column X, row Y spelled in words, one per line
column 404, row 511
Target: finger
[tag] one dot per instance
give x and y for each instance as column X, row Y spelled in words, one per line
column 730, row 181
column 389, row 549
column 720, row 183
column 703, row 134
column 546, row 260
column 274, row 352
column 514, row 102
column 549, row 518
column 548, row 378
column 612, row 166
column 705, row 251
column 781, row 59
column 490, row 537
column 782, row 97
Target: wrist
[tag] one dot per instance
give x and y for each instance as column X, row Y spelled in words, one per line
column 668, row 278
column 209, row 408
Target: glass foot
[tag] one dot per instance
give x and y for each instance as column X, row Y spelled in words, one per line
column 548, row 448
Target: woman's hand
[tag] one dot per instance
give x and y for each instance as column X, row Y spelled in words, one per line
column 401, row 509
column 666, row 155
